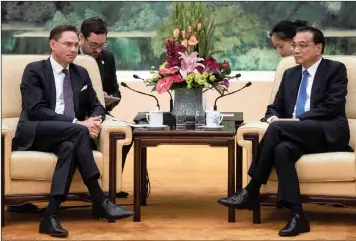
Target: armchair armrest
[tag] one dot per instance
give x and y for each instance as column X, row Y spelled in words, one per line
column 253, row 127
column 110, row 126
column 6, row 146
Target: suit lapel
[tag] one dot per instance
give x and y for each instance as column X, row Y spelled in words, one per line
column 318, row 79
column 51, row 84
column 75, row 79
column 293, row 89
column 100, row 62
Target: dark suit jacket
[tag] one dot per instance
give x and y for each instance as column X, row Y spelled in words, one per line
column 106, row 63
column 38, row 92
column 327, row 103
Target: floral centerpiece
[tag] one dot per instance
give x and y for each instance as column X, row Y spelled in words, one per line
column 189, row 64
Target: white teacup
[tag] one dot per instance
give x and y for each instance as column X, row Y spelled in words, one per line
column 213, row 118
column 155, row 118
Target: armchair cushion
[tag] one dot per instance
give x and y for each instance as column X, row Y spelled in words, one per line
column 325, row 167
column 39, row 166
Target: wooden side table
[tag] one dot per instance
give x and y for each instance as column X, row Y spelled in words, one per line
column 149, row 137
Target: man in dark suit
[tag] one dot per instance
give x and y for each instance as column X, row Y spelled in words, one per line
column 307, row 116
column 93, row 40
column 60, row 114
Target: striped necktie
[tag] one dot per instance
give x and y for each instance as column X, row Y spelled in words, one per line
column 68, row 95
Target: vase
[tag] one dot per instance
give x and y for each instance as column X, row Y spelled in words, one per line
column 189, row 100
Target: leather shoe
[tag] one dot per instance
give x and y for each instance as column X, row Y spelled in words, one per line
column 24, row 208
column 110, row 211
column 122, row 194
column 51, row 225
column 240, row 200
column 299, row 223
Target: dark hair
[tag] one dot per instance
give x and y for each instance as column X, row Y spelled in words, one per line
column 286, row 30
column 93, row 25
column 57, row 31
column 318, row 36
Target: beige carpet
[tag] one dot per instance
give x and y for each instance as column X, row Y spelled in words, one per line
column 186, row 182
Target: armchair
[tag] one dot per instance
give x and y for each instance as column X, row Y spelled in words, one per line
column 324, row 178
column 26, row 175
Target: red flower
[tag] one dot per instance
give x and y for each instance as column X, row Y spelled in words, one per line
column 225, row 64
column 211, row 65
column 172, row 50
column 164, row 84
column 167, row 71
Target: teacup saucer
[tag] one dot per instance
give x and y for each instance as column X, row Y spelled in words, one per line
column 155, row 126
column 212, row 127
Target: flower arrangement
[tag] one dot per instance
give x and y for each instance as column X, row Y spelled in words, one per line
column 189, row 62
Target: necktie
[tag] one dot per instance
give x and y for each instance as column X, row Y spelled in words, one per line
column 302, row 97
column 68, row 95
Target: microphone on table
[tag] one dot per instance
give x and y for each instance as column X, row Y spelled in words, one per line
column 170, row 95
column 126, row 86
column 246, row 85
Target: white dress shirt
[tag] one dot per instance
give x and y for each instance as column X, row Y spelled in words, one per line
column 311, row 75
column 58, row 79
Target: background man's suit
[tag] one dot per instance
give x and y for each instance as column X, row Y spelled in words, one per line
column 106, row 63
column 41, row 128
column 323, row 128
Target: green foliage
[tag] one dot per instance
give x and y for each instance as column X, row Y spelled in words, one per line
column 37, row 12
column 59, row 18
column 236, row 28
column 254, row 59
column 133, row 16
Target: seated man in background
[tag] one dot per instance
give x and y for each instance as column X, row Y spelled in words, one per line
column 307, row 116
column 93, row 40
column 57, row 97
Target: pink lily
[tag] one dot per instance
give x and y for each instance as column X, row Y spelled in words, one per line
column 189, row 63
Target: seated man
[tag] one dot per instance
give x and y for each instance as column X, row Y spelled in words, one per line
column 57, row 97
column 311, row 97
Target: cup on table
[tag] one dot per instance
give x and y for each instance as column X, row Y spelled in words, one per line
column 213, row 118
column 155, row 118
column 199, row 119
column 181, row 120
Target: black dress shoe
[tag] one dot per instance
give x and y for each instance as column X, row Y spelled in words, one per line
column 24, row 208
column 240, row 200
column 122, row 194
column 110, row 211
column 299, row 223
column 51, row 225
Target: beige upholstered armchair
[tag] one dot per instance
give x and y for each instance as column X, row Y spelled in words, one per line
column 26, row 175
column 324, row 178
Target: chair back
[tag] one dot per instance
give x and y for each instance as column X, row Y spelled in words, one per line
column 13, row 67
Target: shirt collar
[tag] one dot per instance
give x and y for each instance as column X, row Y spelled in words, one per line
column 312, row 69
column 57, row 68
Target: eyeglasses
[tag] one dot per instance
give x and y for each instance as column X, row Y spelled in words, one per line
column 96, row 46
column 302, row 45
column 69, row 45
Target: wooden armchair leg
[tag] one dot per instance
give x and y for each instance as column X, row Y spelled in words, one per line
column 257, row 213
column 2, row 214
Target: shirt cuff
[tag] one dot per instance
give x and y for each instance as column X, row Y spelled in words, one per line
column 270, row 118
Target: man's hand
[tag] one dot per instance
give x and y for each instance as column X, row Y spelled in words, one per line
column 105, row 94
column 93, row 124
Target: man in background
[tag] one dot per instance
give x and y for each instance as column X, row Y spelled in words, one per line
column 93, row 40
